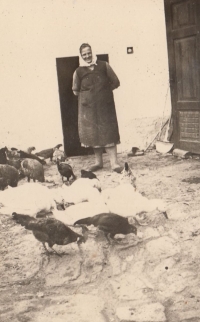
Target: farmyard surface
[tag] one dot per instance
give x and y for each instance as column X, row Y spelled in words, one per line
column 150, row 279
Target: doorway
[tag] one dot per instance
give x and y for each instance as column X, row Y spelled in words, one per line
column 69, row 105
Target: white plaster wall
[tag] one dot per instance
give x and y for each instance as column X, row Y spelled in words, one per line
column 34, row 33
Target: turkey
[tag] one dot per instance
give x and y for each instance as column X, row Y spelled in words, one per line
column 9, row 176
column 14, row 163
column 111, row 224
column 49, row 230
column 32, row 169
column 48, row 153
column 23, row 155
column 65, row 170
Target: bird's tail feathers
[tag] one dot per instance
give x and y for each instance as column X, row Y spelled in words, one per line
column 84, row 221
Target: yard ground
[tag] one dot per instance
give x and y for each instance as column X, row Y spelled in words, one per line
column 154, row 278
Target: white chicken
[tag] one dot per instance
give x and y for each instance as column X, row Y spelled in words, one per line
column 58, row 153
column 125, row 201
column 74, row 194
column 81, row 210
column 81, row 183
column 80, row 190
column 127, row 176
column 28, row 199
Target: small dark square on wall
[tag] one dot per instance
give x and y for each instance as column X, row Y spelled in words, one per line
column 129, row 50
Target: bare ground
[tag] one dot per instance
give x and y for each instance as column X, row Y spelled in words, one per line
column 153, row 278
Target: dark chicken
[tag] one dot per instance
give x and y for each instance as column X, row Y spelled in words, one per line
column 48, row 153
column 88, row 174
column 14, row 163
column 65, row 170
column 9, row 176
column 25, row 155
column 3, row 158
column 49, row 230
column 111, row 224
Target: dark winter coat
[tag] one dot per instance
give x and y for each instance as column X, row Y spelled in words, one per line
column 97, row 120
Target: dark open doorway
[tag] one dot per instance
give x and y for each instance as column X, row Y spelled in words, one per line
column 69, row 104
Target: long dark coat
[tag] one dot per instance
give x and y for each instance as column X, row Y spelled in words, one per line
column 97, row 120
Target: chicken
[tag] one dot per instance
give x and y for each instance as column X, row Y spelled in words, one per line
column 76, row 193
column 9, row 176
column 81, row 183
column 48, row 153
column 30, row 149
column 127, row 202
column 127, row 176
column 11, row 158
column 3, row 157
column 12, row 153
column 80, row 210
column 30, row 199
column 59, row 154
column 14, row 163
column 111, row 224
column 32, row 169
column 24, row 155
column 88, row 174
column 65, row 170
column 49, row 230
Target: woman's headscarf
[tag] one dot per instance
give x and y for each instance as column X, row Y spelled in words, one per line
column 82, row 62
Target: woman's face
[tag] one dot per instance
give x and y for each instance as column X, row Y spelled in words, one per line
column 86, row 54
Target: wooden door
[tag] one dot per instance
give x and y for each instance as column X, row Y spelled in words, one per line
column 183, row 27
column 69, row 105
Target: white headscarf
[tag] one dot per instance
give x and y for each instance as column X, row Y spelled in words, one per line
column 83, row 63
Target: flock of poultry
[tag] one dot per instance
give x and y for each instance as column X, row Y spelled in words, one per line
column 48, row 213
column 16, row 164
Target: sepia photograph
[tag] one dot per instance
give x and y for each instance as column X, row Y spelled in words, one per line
column 100, row 161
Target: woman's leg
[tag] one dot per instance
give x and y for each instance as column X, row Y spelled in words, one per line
column 98, row 152
column 112, row 153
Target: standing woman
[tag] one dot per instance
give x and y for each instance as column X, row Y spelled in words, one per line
column 93, row 82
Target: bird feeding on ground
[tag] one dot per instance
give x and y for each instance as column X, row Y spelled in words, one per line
column 111, row 224
column 50, row 231
column 88, row 174
column 65, row 170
